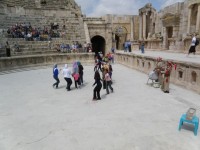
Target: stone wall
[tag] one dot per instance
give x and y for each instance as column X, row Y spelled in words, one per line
column 186, row 75
column 9, row 63
column 173, row 25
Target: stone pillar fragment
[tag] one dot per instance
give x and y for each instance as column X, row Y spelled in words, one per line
column 189, row 20
column 132, row 29
column 140, row 27
column 198, row 20
column 144, row 26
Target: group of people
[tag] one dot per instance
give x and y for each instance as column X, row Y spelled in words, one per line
column 76, row 73
column 103, row 64
column 161, row 74
column 127, row 46
column 100, row 59
column 104, row 80
column 75, row 47
column 29, row 33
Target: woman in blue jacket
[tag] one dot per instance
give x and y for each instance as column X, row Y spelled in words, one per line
column 55, row 76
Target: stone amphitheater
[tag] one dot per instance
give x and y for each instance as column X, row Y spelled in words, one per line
column 166, row 33
column 168, row 30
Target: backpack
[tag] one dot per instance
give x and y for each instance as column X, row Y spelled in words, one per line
column 197, row 42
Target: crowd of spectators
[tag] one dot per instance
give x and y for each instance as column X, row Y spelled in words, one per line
column 75, row 47
column 29, row 33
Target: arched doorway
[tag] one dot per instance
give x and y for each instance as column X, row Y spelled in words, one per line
column 120, row 33
column 98, row 44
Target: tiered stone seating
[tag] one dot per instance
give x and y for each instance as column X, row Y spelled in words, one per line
column 2, row 52
column 8, row 21
column 30, row 4
column 31, row 48
column 13, row 3
column 74, row 27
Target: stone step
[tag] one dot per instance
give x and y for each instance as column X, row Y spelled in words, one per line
column 34, row 52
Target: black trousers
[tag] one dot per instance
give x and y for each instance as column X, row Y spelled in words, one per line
column 69, row 83
column 77, row 82
column 57, row 82
column 192, row 49
column 96, row 92
column 81, row 78
column 8, row 52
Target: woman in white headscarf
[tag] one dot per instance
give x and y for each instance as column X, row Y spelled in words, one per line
column 67, row 77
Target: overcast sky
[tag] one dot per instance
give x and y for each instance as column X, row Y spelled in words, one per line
column 97, row 8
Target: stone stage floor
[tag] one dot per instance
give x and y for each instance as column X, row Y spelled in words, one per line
column 35, row 116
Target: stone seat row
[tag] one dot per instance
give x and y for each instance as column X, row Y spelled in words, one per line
column 36, row 52
column 21, row 3
column 34, row 23
column 55, row 40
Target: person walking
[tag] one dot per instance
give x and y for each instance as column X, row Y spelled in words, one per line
column 142, row 47
column 7, row 49
column 126, row 46
column 129, row 46
column 108, row 82
column 67, row 77
column 80, row 69
column 110, row 70
column 55, row 76
column 113, row 50
column 75, row 74
column 76, row 79
column 193, row 45
column 97, row 89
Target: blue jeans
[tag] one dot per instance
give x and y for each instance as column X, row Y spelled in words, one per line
column 57, row 81
column 142, row 49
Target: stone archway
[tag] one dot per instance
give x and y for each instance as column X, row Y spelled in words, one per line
column 120, row 33
column 98, row 44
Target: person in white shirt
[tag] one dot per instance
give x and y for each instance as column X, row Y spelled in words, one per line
column 67, row 77
column 193, row 45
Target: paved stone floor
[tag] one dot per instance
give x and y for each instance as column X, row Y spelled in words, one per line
column 34, row 116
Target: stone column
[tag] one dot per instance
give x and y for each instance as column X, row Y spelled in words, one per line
column 165, row 39
column 198, row 20
column 144, row 26
column 132, row 29
column 140, row 27
column 189, row 20
column 175, row 32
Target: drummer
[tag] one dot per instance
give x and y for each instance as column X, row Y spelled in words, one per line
column 166, row 80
